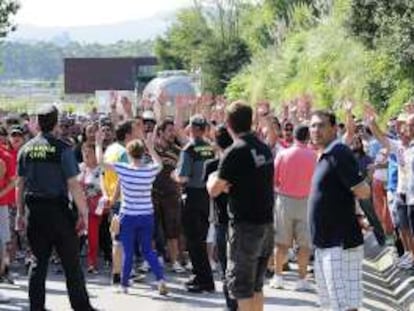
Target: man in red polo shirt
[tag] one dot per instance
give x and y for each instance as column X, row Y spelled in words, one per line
column 6, row 185
column 294, row 168
column 16, row 140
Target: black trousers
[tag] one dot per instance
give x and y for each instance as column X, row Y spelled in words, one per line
column 195, row 226
column 51, row 226
column 105, row 240
column 222, row 234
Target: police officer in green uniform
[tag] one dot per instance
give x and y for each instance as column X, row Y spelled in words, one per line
column 47, row 173
column 195, row 213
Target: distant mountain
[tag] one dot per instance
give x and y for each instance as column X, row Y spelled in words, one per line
column 142, row 29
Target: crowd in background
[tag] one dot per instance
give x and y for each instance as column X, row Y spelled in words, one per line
column 179, row 156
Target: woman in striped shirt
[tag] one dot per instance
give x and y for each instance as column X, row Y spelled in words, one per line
column 137, row 212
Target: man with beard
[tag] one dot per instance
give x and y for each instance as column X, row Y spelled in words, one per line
column 166, row 192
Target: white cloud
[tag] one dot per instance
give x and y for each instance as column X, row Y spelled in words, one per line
column 90, row 12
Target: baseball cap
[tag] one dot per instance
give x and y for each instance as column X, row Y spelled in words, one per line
column 198, row 120
column 148, row 115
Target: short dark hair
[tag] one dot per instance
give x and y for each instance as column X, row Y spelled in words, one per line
column 222, row 137
column 165, row 123
column 239, row 117
column 47, row 119
column 123, row 128
column 136, row 149
column 325, row 114
column 302, row 133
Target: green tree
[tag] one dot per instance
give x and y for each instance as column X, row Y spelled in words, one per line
column 221, row 62
column 386, row 25
column 206, row 36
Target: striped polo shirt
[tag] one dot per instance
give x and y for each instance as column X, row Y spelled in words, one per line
column 136, row 186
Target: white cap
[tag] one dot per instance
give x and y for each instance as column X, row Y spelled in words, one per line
column 148, row 115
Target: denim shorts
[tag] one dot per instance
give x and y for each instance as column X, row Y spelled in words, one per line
column 250, row 247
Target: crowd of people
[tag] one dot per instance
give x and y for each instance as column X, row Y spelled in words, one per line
column 241, row 195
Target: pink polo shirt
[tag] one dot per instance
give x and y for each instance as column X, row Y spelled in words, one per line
column 294, row 167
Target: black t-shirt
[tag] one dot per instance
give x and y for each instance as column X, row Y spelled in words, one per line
column 331, row 206
column 220, row 202
column 248, row 166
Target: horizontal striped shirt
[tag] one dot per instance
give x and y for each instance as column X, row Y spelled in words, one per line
column 136, row 186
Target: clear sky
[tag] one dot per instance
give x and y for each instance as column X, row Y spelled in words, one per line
column 90, row 12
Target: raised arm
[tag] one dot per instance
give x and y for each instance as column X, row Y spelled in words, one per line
column 349, row 123
column 99, row 137
column 371, row 117
column 149, row 142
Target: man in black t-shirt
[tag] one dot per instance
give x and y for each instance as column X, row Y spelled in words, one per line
column 246, row 174
column 334, row 226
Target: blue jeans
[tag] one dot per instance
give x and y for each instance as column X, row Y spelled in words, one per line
column 138, row 228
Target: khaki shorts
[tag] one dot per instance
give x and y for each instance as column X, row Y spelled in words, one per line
column 291, row 221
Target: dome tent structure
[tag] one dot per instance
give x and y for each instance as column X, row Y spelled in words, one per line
column 163, row 91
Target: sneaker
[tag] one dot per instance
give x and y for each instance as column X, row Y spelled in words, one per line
column 189, row 266
column 139, row 277
column 116, row 288
column 124, row 290
column 4, row 298
column 406, row 263
column 162, row 288
column 277, row 282
column 177, row 268
column 303, row 285
column 213, row 266
column 403, row 258
column 93, row 270
column 144, row 267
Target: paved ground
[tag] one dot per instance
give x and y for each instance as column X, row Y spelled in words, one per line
column 144, row 296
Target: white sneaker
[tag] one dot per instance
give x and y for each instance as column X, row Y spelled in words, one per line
column 303, row 285
column 406, row 263
column 124, row 290
column 189, row 266
column 4, row 298
column 177, row 268
column 403, row 258
column 277, row 282
column 144, row 267
column 116, row 288
column 213, row 266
